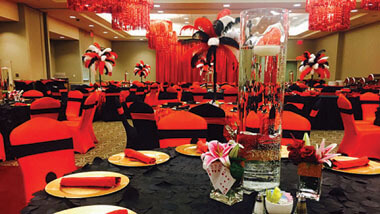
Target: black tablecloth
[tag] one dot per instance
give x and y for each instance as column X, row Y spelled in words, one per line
column 328, row 117
column 182, row 186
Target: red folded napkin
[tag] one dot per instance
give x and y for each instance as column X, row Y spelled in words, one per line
column 20, row 104
column 202, row 146
column 133, row 154
column 340, row 164
column 123, row 211
column 106, row 182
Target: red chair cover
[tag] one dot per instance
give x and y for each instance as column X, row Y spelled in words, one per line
column 2, row 150
column 294, row 124
column 180, row 128
column 32, row 94
column 369, row 102
column 230, row 95
column 45, row 107
column 360, row 139
column 74, row 103
column 253, row 122
column 152, row 98
column 44, row 149
column 80, row 129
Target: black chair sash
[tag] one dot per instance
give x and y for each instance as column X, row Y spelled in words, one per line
column 20, row 151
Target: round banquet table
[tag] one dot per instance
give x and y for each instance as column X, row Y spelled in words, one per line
column 182, row 186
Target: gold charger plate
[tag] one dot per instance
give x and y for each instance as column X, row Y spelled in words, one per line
column 373, row 167
column 26, row 104
column 120, row 160
column 93, row 209
column 284, row 151
column 54, row 188
column 188, row 149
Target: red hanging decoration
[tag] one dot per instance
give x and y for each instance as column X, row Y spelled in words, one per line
column 329, row 15
column 370, row 4
column 134, row 15
column 99, row 6
column 161, row 36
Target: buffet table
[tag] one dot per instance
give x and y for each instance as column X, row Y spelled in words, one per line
column 182, row 186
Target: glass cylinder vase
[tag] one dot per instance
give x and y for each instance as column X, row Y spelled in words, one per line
column 233, row 196
column 310, row 180
column 264, row 36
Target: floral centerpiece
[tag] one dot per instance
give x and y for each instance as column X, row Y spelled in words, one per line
column 310, row 160
column 225, row 170
column 15, row 95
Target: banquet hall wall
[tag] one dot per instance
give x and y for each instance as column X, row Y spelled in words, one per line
column 351, row 53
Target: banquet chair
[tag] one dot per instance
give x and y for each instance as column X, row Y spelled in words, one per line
column 32, row 94
column 45, row 107
column 359, row 139
column 74, row 103
column 369, row 102
column 80, row 131
column 293, row 124
column 215, row 118
column 168, row 96
column 24, row 85
column 253, row 122
column 181, row 127
column 109, row 112
column 198, row 93
column 230, row 95
column 145, row 123
column 2, row 149
column 44, row 151
column 131, row 133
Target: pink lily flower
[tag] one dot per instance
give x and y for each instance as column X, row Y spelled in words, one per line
column 216, row 151
column 322, row 153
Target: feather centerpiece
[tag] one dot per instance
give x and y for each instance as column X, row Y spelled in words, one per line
column 99, row 59
column 312, row 63
column 142, row 69
column 213, row 39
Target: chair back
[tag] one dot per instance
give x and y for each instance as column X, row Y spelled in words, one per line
column 215, row 118
column 32, row 94
column 180, row 128
column 345, row 109
column 45, row 107
column 369, row 102
column 25, row 85
column 44, row 148
column 152, row 98
column 230, row 95
column 88, row 111
column 168, row 96
column 144, row 121
column 294, row 124
column 109, row 111
column 74, row 103
column 2, row 150
column 252, row 122
column 198, row 93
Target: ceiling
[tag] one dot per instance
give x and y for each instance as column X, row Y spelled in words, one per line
column 182, row 12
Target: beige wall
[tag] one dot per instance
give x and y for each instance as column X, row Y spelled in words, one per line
column 295, row 50
column 62, row 28
column 361, row 52
column 129, row 54
column 102, row 42
column 68, row 60
column 22, row 44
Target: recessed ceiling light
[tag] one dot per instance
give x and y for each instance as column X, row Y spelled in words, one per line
column 160, row 11
column 297, row 5
column 187, row 22
column 226, row 5
column 156, row 5
column 115, row 37
column 354, row 11
column 91, row 25
column 72, row 17
column 61, row 37
column 186, row 18
column 105, row 32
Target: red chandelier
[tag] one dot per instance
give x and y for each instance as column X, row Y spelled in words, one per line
column 161, row 36
column 134, row 15
column 104, row 6
column 329, row 15
column 370, row 4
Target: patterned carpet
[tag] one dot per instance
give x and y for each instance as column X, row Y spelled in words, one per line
column 112, row 140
